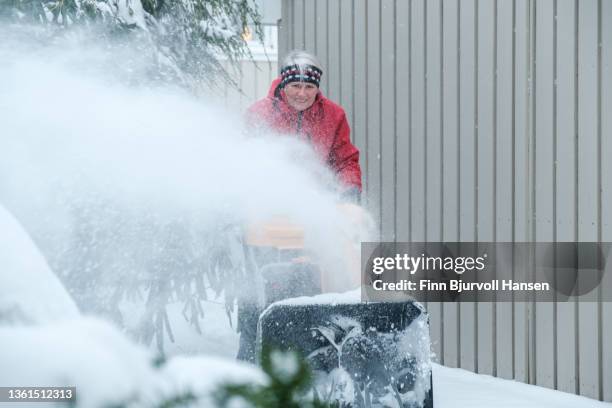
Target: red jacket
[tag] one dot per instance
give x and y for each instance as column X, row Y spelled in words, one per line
column 324, row 124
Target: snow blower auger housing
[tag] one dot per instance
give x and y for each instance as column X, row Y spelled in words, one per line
column 362, row 354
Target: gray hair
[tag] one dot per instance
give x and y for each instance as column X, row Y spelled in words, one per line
column 300, row 58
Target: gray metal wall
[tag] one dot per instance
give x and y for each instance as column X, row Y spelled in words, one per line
column 482, row 120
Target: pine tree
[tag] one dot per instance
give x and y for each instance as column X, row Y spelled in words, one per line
column 186, row 39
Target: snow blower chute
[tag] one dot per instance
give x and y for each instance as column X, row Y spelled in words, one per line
column 363, row 354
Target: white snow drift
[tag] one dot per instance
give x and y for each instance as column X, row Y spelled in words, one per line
column 107, row 369
column 29, row 291
column 57, row 347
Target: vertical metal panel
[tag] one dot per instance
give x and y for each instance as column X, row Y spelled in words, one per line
column 450, row 176
column 543, row 143
column 373, row 103
column 334, row 63
column 298, row 25
column 418, row 132
column 310, row 26
column 531, row 122
column 504, row 198
column 503, row 104
column 360, row 58
column 321, row 39
column 485, row 167
column 450, row 118
column 588, row 316
column 285, row 31
column 433, row 141
column 521, row 212
column 387, row 128
column 346, row 60
column 402, row 123
column 433, row 147
column 467, row 160
column 566, row 193
column 605, row 108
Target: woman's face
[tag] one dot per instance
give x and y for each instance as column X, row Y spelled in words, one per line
column 301, row 95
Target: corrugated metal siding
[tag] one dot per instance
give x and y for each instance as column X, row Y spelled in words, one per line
column 482, row 120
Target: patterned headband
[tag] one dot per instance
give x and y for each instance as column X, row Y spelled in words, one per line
column 300, row 73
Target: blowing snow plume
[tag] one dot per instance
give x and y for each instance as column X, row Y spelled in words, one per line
column 142, row 190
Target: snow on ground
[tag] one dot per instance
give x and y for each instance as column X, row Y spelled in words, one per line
column 58, row 347
column 86, row 353
column 203, row 375
column 453, row 387
column 456, row 388
column 218, row 338
column 107, row 368
column 29, row 291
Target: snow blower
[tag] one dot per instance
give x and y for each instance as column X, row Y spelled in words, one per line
column 362, row 354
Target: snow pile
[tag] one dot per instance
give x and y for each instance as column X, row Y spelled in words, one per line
column 202, row 377
column 86, row 353
column 457, row 388
column 107, row 369
column 29, row 291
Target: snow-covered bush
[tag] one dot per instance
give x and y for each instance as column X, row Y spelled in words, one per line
column 184, row 38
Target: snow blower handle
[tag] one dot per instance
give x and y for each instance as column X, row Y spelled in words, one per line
column 286, row 239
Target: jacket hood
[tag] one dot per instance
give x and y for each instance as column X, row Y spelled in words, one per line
column 273, row 87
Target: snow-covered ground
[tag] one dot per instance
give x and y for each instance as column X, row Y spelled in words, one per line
column 114, row 368
column 453, row 387
column 456, row 388
column 107, row 368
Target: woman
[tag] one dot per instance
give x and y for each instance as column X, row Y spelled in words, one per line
column 295, row 105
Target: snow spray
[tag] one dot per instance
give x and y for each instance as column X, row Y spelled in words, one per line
column 123, row 182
